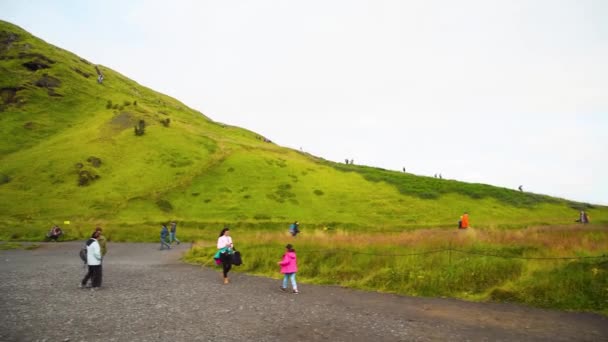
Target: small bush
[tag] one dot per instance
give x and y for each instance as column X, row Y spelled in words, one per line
column 126, row 103
column 318, row 192
column 166, row 122
column 86, row 177
column 164, row 205
column 4, row 179
column 109, row 104
column 96, row 162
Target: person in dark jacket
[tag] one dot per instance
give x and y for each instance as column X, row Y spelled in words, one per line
column 164, row 233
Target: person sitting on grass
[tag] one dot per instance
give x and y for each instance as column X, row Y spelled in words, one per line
column 55, row 233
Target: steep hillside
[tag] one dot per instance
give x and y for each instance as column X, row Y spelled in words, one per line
column 69, row 151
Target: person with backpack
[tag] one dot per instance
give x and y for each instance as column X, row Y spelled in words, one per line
column 224, row 252
column 294, row 229
column 172, row 236
column 164, row 232
column 93, row 256
column 289, row 267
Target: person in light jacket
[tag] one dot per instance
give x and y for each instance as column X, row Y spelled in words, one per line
column 224, row 252
column 94, row 262
column 289, row 267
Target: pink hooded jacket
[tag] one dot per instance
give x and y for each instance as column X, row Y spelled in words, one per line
column 289, row 264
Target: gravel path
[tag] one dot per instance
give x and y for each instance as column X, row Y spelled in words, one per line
column 149, row 295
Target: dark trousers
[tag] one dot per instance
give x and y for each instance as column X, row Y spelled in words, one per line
column 95, row 274
column 226, row 266
column 226, row 263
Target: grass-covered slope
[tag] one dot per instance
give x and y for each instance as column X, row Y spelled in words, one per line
column 68, row 151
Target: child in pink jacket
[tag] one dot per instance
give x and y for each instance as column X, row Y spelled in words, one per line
column 289, row 267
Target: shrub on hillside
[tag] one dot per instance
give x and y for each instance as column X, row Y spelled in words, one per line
column 86, row 177
column 166, row 122
column 109, row 104
column 164, row 205
column 96, row 162
column 318, row 192
column 4, row 179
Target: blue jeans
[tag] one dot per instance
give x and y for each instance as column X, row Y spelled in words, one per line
column 172, row 237
column 164, row 243
column 286, row 276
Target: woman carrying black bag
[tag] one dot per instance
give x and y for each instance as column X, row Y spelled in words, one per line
column 224, row 253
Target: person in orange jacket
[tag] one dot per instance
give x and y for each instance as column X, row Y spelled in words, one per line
column 464, row 221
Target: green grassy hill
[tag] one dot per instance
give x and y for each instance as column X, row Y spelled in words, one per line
column 69, row 152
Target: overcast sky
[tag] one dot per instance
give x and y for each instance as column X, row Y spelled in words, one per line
column 497, row 92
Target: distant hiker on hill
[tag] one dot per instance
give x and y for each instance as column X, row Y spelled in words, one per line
column 521, row 188
column 172, row 236
column 102, row 241
column 100, row 79
column 404, row 170
column 440, row 176
column 464, row 221
column 164, row 233
column 294, row 229
column 224, row 252
column 289, row 267
column 54, row 233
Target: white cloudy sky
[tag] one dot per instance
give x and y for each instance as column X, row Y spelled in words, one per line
column 497, row 92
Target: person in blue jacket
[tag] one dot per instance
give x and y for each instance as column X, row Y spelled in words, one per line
column 164, row 232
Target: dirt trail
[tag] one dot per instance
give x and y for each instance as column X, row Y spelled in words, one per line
column 149, row 295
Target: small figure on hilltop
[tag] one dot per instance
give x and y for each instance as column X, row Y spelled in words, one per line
column 294, row 229
column 289, row 268
column 224, row 252
column 346, row 161
column 440, row 177
column 164, row 233
column 54, row 233
column 521, row 188
column 172, row 233
column 464, row 221
column 403, row 169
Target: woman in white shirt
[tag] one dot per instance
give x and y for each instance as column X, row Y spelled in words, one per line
column 224, row 245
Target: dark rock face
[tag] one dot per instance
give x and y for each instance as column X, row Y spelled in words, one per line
column 48, row 82
column 35, row 65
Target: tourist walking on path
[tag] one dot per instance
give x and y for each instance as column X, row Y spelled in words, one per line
column 172, row 236
column 289, row 267
column 102, row 241
column 94, row 263
column 164, row 233
column 224, row 252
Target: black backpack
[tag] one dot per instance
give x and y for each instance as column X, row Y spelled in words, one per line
column 83, row 251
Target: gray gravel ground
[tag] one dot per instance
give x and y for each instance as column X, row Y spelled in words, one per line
column 149, row 295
